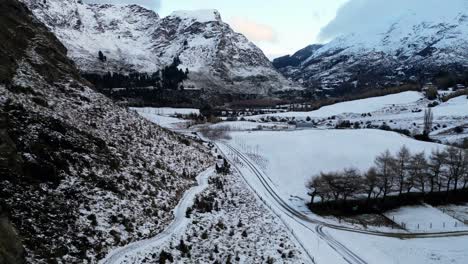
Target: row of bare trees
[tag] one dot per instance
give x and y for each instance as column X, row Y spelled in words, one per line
column 396, row 175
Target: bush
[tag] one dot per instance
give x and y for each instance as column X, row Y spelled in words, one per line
column 459, row 129
column 343, row 124
column 164, row 256
column 433, row 104
column 431, row 93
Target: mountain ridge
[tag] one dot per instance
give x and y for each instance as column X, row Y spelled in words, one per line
column 136, row 39
column 410, row 48
column 78, row 174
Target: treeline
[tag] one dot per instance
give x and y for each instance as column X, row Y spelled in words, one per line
column 394, row 176
column 170, row 77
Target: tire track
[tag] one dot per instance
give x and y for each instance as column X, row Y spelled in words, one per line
column 341, row 249
column 405, row 235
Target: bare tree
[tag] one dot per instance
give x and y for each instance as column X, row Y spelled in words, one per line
column 465, row 169
column 370, row 184
column 455, row 159
column 351, row 183
column 436, row 165
column 313, row 185
column 400, row 166
column 383, row 164
column 419, row 170
column 428, row 120
column 333, row 181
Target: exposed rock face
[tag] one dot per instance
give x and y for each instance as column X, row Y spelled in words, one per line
column 136, row 39
column 413, row 48
column 297, row 58
column 78, row 175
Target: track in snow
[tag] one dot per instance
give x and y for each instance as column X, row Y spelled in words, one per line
column 406, row 235
column 347, row 254
column 135, row 251
column 298, row 217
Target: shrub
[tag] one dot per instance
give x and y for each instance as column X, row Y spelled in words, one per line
column 459, row 129
column 431, row 93
column 164, row 256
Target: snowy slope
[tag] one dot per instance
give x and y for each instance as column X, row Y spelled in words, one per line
column 136, row 39
column 78, row 174
column 290, row 158
column 358, row 106
column 413, row 44
column 402, row 111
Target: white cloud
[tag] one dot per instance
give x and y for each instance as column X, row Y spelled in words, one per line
column 253, row 30
column 151, row 4
column 372, row 15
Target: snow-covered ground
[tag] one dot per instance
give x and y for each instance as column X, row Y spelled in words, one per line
column 384, row 250
column 425, row 219
column 357, row 106
column 168, row 111
column 165, row 116
column 328, row 245
column 248, row 125
column 404, row 111
column 457, row 211
column 134, row 252
column 290, row 158
column 238, row 228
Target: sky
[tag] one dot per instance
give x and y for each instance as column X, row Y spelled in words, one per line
column 278, row 27
column 281, row 27
column 376, row 16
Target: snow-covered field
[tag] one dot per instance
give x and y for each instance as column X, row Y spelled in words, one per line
column 383, row 250
column 425, row 219
column 164, row 116
column 293, row 157
column 403, row 111
column 168, row 111
column 358, row 106
column 457, row 211
column 335, row 246
column 247, row 125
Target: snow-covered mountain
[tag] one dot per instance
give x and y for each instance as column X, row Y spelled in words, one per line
column 413, row 44
column 137, row 39
column 78, row 174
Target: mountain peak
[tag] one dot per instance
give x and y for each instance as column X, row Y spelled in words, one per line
column 202, row 16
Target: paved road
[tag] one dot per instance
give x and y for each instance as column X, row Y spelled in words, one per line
column 348, row 256
column 341, row 249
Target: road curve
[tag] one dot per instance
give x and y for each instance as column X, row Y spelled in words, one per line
column 405, row 235
column 348, row 256
column 133, row 251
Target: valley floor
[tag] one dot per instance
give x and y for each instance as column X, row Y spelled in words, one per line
column 259, row 212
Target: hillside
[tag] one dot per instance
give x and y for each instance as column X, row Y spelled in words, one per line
column 136, row 39
column 417, row 44
column 78, row 175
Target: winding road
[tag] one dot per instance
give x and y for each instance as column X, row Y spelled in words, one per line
column 293, row 214
column 137, row 250
column 318, row 226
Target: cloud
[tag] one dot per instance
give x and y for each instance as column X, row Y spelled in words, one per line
column 376, row 15
column 253, row 30
column 151, row 4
